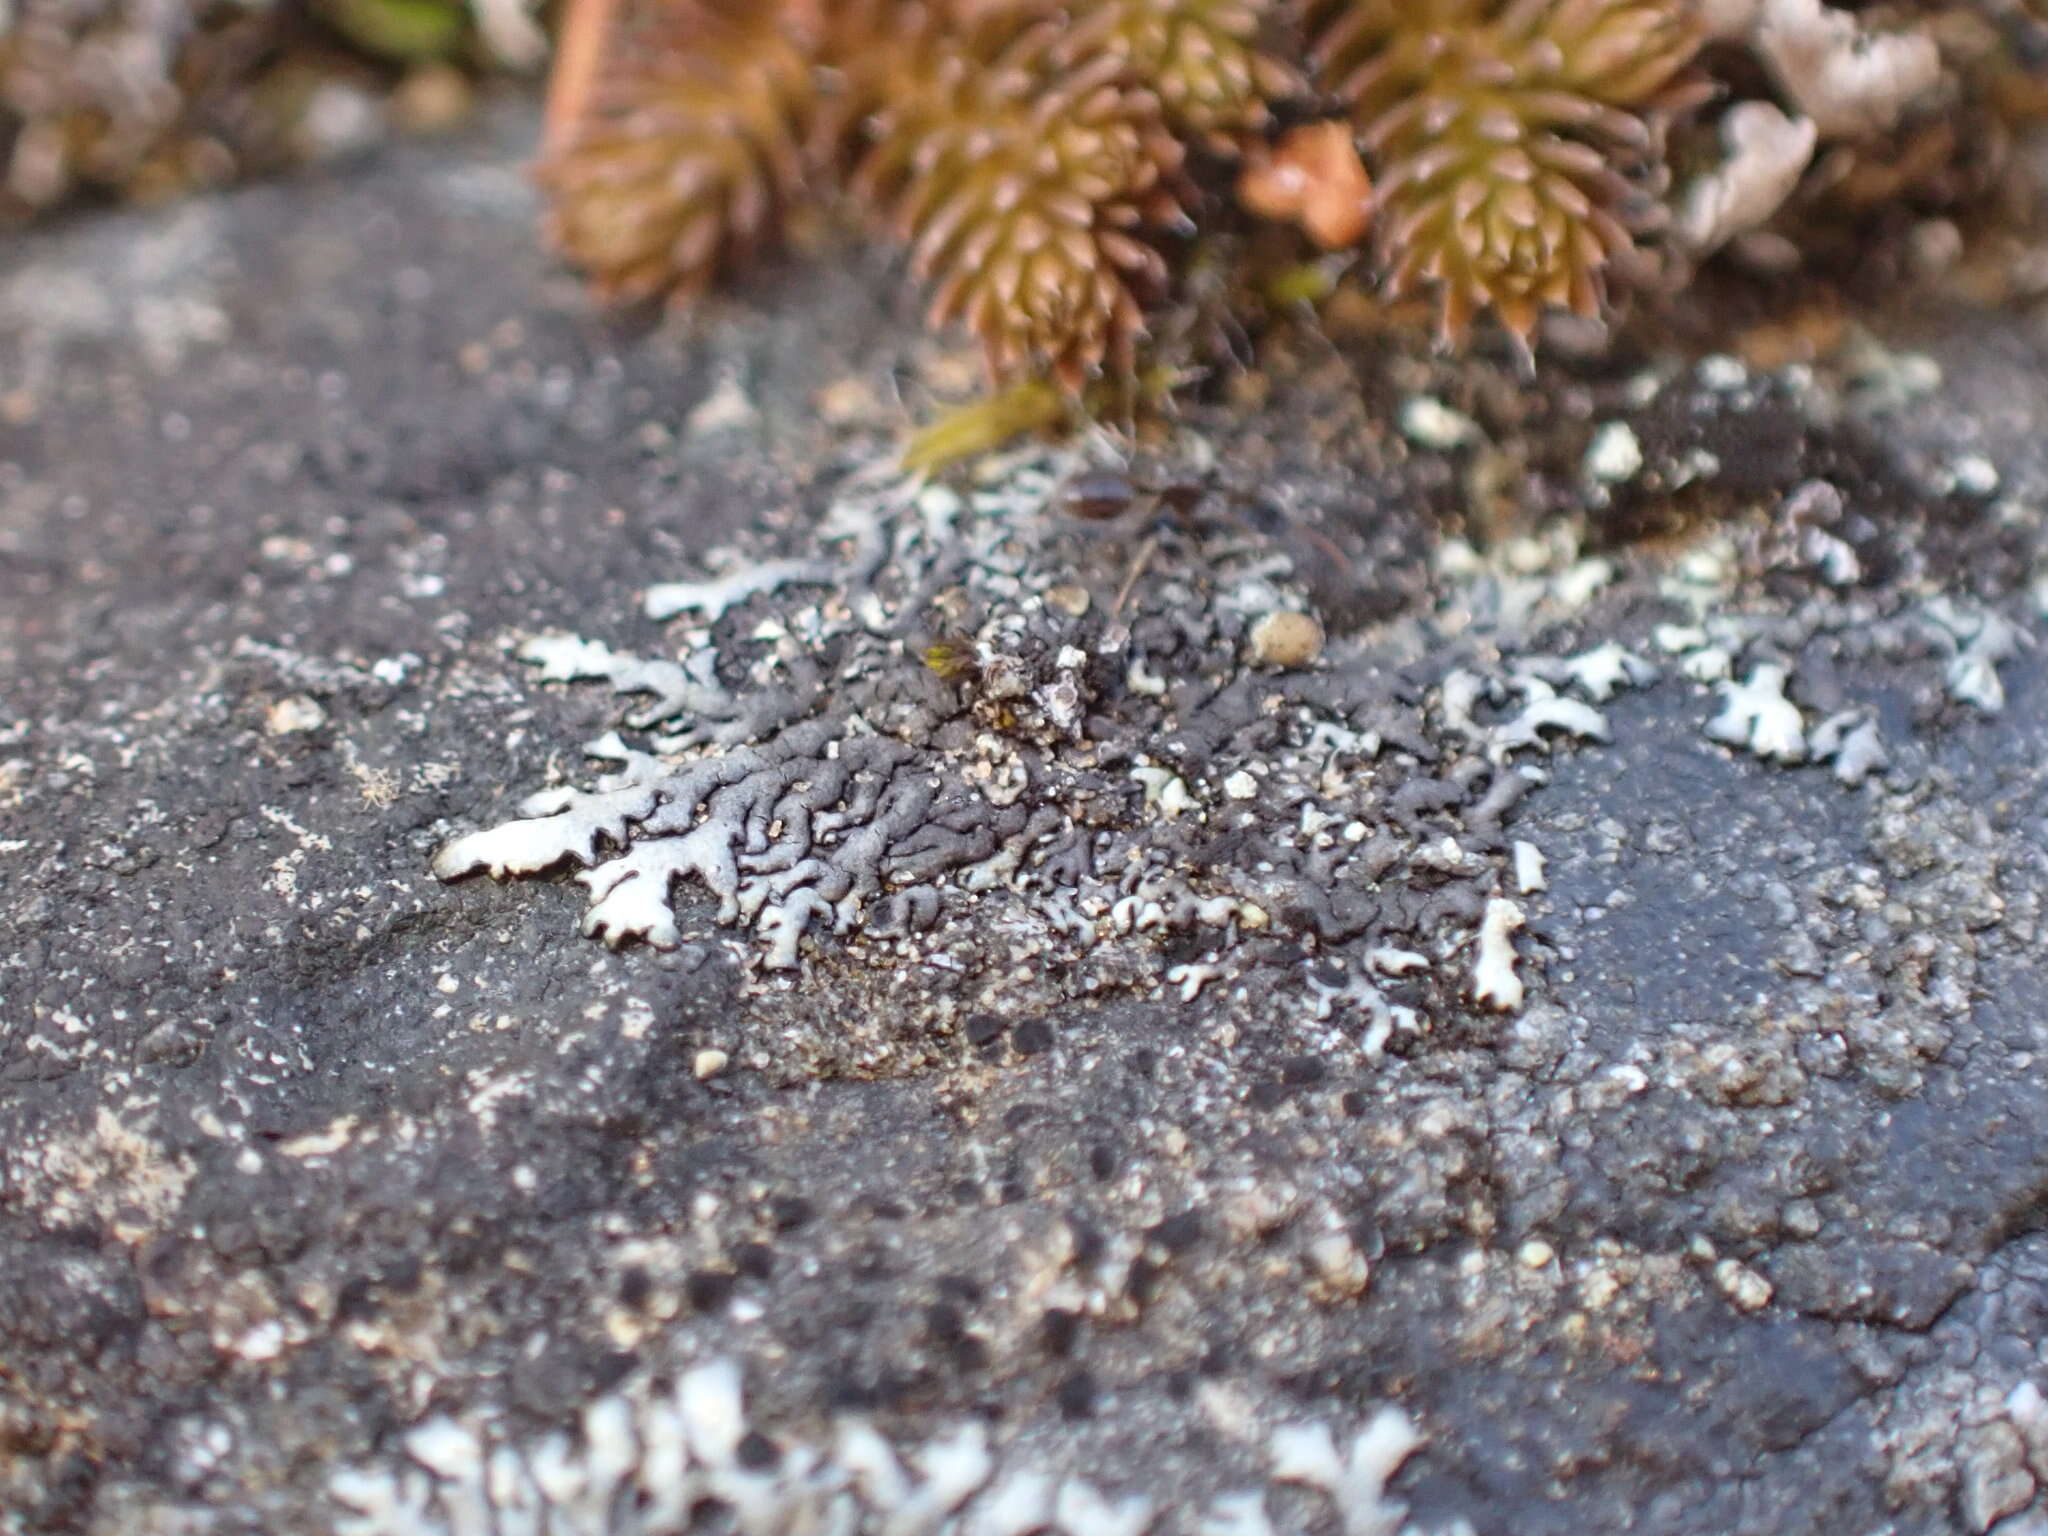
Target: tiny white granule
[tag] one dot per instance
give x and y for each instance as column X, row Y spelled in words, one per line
column 1615, row 454
column 1975, row 475
column 1428, row 423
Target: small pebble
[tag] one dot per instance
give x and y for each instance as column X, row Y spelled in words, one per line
column 1070, row 600
column 709, row 1063
column 433, row 99
column 290, row 716
column 1286, row 640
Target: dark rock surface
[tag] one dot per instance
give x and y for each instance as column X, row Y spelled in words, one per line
column 1736, row 1225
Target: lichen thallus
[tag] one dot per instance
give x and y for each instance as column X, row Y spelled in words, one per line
column 1138, row 506
column 1134, row 502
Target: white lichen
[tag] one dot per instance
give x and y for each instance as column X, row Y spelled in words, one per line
column 712, row 599
column 1850, row 741
column 1766, row 154
column 1607, row 669
column 1547, row 712
column 1756, row 716
column 1494, row 981
column 1355, row 1481
column 645, row 1462
column 1978, row 640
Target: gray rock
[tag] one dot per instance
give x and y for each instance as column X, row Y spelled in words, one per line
column 324, row 1182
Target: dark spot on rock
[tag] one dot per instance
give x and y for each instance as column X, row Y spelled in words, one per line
column 709, row 1289
column 849, row 1395
column 1088, row 1242
column 1142, row 1284
column 1269, row 1094
column 1076, row 1396
column 754, row 1260
column 757, row 1453
column 1177, row 1234
column 790, row 1212
column 1302, row 1069
column 635, row 1286
column 403, row 1275
column 1058, row 1330
column 984, row 1028
column 1032, row 1037
column 355, row 1302
column 1102, row 1161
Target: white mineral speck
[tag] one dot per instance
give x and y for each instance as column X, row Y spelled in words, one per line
column 726, row 407
column 290, row 716
column 1614, row 455
column 1742, row 1285
column 1428, row 423
column 263, row 1342
column 1340, row 1269
column 709, row 1063
column 1241, row 786
column 1528, row 867
column 1975, row 475
column 1722, row 373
